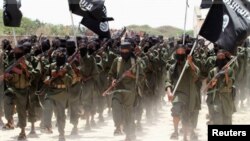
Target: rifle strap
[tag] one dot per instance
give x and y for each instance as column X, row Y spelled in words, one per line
column 119, row 62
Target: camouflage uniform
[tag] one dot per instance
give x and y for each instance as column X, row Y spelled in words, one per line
column 9, row 98
column 241, row 75
column 222, row 98
column 186, row 100
column 74, row 100
column 20, row 85
column 149, row 97
column 57, row 93
column 89, row 73
column 107, row 63
column 124, row 96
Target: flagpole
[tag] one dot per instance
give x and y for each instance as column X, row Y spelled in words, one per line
column 14, row 35
column 185, row 23
column 184, row 68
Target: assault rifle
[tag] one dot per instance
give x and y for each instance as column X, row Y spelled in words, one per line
column 11, row 67
column 110, row 88
column 63, row 70
column 221, row 72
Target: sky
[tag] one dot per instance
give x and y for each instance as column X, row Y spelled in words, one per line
column 125, row 12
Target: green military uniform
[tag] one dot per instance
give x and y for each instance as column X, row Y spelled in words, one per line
column 9, row 98
column 101, row 85
column 75, row 95
column 123, row 99
column 89, row 73
column 241, row 75
column 57, row 94
column 149, row 96
column 221, row 98
column 20, row 85
column 107, row 63
column 210, row 64
column 34, row 106
column 186, row 100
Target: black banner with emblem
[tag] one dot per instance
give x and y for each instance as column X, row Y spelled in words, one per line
column 100, row 28
column 227, row 23
column 94, row 15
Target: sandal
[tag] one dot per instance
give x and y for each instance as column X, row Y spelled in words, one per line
column 8, row 126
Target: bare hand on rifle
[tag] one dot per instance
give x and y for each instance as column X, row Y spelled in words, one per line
column 213, row 83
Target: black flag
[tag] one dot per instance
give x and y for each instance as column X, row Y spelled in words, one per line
column 90, row 8
column 100, row 28
column 94, row 15
column 12, row 15
column 227, row 23
column 206, row 4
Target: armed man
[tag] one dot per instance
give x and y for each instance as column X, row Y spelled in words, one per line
column 18, row 81
column 241, row 77
column 9, row 98
column 59, row 80
column 125, row 90
column 186, row 100
column 75, row 89
column 89, row 76
column 220, row 94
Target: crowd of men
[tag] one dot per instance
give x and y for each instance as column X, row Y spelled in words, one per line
column 40, row 77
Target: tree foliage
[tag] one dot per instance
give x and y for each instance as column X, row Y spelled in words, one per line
column 37, row 27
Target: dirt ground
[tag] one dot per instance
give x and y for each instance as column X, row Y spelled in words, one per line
column 159, row 131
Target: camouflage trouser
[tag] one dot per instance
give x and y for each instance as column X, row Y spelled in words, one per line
column 47, row 113
column 74, row 103
column 9, row 105
column 89, row 97
column 222, row 109
column 59, row 98
column 123, row 111
column 23, row 104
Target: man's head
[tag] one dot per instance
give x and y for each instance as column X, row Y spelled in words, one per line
column 71, row 47
column 60, row 57
column 125, row 50
column 180, row 54
column 221, row 59
column 19, row 51
column 45, row 44
column 92, row 47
